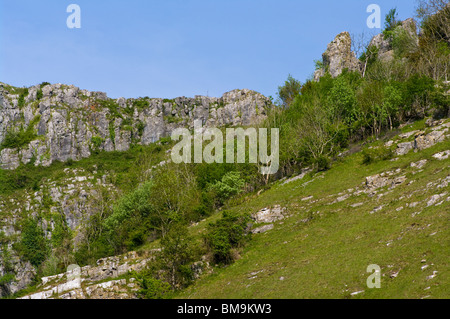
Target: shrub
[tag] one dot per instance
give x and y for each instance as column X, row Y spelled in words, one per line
column 419, row 90
column 141, row 104
column 39, row 94
column 152, row 288
column 342, row 101
column 227, row 233
column 391, row 22
column 289, row 91
column 176, row 256
column 23, row 94
column 33, row 243
column 97, row 142
column 231, row 184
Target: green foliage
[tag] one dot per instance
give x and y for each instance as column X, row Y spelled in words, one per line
column 173, row 119
column 113, row 108
column 176, row 256
column 39, row 94
column 153, row 207
column 342, row 101
column 391, row 21
column 419, row 91
column 22, row 137
column 129, row 211
column 141, row 104
column 373, row 155
column 230, row 184
column 33, row 244
column 289, row 91
column 7, row 267
column 151, row 288
column 140, row 128
column 228, row 233
column 97, row 142
column 23, row 94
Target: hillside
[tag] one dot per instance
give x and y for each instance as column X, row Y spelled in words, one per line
column 95, row 204
column 392, row 213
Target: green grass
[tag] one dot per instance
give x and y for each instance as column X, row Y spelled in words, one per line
column 327, row 256
column 124, row 169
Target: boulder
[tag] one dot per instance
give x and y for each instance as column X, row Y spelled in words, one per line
column 269, row 215
column 404, row 148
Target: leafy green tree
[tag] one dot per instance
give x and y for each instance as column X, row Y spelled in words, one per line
column 342, row 101
column 231, row 184
column 289, row 91
column 176, row 256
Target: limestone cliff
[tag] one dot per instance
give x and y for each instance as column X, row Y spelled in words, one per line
column 63, row 122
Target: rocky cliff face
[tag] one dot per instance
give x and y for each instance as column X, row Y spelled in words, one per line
column 47, row 123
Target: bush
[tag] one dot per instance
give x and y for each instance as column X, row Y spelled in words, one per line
column 152, row 288
column 141, row 104
column 33, row 243
column 97, row 142
column 371, row 155
column 226, row 234
column 39, row 94
column 419, row 92
column 342, row 101
column 289, row 91
column 231, row 184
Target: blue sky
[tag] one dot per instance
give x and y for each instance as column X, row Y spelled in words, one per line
column 170, row 48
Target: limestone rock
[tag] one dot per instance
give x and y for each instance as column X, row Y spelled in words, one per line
column 262, row 229
column 442, row 155
column 338, row 57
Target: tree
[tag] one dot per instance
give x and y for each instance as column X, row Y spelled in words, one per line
column 226, row 234
column 231, row 184
column 433, row 58
column 176, row 256
column 392, row 100
column 289, row 91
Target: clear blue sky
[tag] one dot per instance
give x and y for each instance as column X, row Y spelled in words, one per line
column 170, row 48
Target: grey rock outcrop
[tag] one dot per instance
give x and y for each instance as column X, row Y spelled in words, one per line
column 338, row 57
column 69, row 123
column 269, row 215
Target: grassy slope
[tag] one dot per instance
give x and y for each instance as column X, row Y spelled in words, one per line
column 327, row 257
